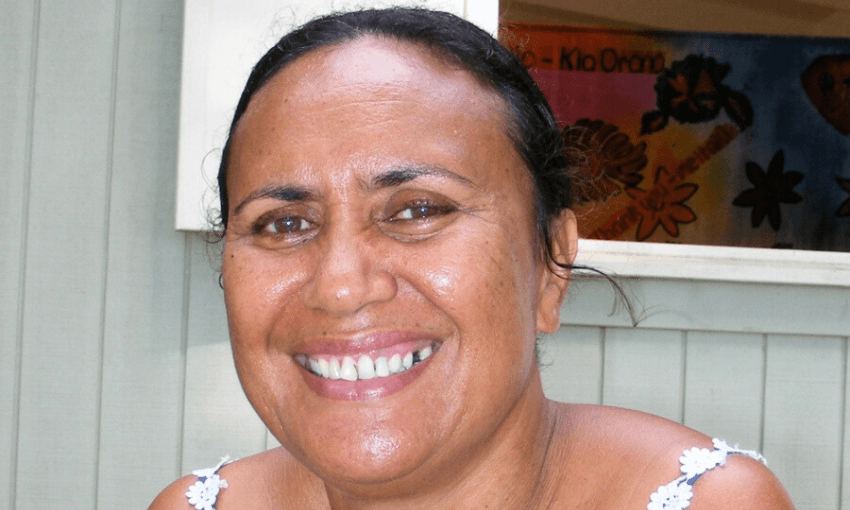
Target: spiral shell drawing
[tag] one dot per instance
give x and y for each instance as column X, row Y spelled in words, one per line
column 607, row 158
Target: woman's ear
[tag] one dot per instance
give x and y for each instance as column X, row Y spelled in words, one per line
column 555, row 276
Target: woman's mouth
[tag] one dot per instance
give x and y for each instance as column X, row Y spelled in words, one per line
column 362, row 376
column 365, row 367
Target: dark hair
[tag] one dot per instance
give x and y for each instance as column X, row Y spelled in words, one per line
column 531, row 123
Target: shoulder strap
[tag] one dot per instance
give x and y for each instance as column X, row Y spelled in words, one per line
column 677, row 494
column 203, row 494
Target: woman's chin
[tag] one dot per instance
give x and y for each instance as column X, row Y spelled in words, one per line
column 367, row 457
column 372, row 431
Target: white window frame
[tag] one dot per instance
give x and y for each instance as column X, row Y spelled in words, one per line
column 718, row 263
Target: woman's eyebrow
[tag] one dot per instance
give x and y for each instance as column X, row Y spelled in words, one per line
column 390, row 178
column 282, row 193
column 398, row 176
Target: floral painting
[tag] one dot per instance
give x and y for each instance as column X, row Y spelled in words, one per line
column 699, row 138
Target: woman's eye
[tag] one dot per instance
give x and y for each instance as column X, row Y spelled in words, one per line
column 418, row 211
column 421, row 211
column 287, row 225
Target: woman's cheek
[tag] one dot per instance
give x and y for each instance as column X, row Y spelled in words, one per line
column 255, row 290
column 442, row 281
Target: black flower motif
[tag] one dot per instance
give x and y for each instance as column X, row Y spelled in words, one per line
column 660, row 205
column 844, row 208
column 692, row 91
column 771, row 189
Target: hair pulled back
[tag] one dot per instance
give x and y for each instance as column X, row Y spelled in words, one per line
column 531, row 123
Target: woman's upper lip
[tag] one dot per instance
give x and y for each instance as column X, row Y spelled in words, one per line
column 349, row 345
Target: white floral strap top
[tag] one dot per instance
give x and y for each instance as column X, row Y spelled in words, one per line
column 203, row 493
column 677, row 494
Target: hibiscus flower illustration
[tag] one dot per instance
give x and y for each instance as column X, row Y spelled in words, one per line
column 692, row 91
column 772, row 188
column 661, row 206
column 844, row 208
column 607, row 158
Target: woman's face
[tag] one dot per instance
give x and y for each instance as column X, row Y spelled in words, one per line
column 382, row 230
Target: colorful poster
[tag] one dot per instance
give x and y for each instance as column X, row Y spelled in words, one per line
column 713, row 139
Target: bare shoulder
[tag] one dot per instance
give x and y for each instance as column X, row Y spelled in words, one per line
column 271, row 479
column 626, row 431
column 741, row 483
column 639, row 452
column 174, row 496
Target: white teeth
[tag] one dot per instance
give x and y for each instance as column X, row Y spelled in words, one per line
column 395, row 364
column 382, row 367
column 365, row 368
column 324, row 369
column 348, row 370
column 314, row 366
column 335, row 369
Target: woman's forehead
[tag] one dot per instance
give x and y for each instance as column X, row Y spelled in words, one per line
column 371, row 65
column 370, row 104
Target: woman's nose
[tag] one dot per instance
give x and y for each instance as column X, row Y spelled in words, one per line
column 349, row 275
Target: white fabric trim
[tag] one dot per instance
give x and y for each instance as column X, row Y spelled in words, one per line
column 203, row 494
column 677, row 494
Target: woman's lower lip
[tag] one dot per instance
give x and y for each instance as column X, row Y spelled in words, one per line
column 369, row 389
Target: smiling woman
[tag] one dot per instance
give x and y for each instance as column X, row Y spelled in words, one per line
column 397, row 234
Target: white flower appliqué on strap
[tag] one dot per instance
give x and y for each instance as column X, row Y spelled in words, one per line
column 677, row 494
column 204, row 493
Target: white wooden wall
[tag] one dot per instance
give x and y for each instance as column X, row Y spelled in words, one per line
column 115, row 370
